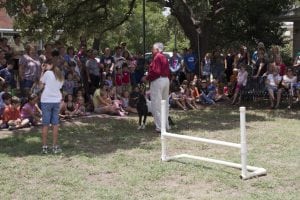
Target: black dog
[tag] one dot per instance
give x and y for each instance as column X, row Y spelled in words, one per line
column 142, row 109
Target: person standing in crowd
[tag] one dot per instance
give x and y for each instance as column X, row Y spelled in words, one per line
column 175, row 62
column 18, row 51
column 29, row 69
column 140, row 67
column 6, row 48
column 53, row 79
column 158, row 75
column 254, row 57
column 47, row 53
column 107, row 63
column 93, row 68
column 190, row 61
column 242, row 57
column 218, row 65
column 206, row 66
column 229, row 60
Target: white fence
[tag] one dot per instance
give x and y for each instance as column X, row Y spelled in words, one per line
column 246, row 170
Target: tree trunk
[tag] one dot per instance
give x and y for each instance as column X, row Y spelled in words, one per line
column 198, row 33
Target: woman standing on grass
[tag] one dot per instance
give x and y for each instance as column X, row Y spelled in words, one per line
column 53, row 79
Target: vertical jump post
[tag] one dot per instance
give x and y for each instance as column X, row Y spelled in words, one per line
column 245, row 174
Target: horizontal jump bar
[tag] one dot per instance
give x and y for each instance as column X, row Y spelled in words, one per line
column 256, row 171
column 186, row 137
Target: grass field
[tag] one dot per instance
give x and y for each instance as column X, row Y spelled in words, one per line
column 107, row 158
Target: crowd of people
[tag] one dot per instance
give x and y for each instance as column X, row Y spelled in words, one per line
column 110, row 82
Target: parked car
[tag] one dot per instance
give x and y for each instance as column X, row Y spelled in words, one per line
column 148, row 55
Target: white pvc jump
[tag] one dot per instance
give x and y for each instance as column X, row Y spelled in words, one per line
column 246, row 170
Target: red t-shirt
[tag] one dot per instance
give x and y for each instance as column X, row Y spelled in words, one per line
column 282, row 69
column 126, row 77
column 11, row 113
column 159, row 67
column 118, row 80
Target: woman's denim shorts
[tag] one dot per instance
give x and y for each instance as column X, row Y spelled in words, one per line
column 50, row 113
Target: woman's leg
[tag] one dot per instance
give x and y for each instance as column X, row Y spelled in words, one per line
column 44, row 134
column 55, row 135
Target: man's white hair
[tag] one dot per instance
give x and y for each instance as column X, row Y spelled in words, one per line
column 159, row 46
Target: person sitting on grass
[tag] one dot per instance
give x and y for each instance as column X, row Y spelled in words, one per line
column 212, row 89
column 190, row 98
column 205, row 99
column 185, row 93
column 125, row 103
column 5, row 98
column 80, row 109
column 30, row 111
column 103, row 104
column 177, row 99
column 195, row 91
column 12, row 117
column 68, row 107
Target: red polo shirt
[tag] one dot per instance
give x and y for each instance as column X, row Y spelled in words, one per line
column 159, row 67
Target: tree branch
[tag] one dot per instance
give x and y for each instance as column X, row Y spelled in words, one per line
column 125, row 18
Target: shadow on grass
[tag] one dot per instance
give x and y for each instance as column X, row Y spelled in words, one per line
column 283, row 111
column 88, row 136
column 215, row 119
column 101, row 134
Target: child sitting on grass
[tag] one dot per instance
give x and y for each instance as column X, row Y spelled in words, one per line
column 12, row 117
column 5, row 99
column 68, row 107
column 80, row 109
column 31, row 111
column 125, row 102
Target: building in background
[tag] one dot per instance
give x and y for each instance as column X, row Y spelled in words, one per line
column 292, row 19
column 6, row 25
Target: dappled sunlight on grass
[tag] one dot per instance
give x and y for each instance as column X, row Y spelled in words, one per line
column 108, row 158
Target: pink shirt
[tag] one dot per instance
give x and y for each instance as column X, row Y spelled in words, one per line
column 28, row 110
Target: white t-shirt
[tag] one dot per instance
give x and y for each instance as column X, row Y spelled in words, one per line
column 287, row 80
column 242, row 77
column 273, row 79
column 51, row 92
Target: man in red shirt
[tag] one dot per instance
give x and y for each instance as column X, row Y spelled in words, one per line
column 158, row 75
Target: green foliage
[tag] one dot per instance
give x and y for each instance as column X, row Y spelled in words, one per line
column 229, row 22
column 246, row 22
column 158, row 28
column 74, row 17
column 287, row 54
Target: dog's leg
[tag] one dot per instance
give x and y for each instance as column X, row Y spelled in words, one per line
column 140, row 121
column 144, row 121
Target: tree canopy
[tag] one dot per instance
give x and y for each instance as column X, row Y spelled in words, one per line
column 206, row 23
column 43, row 18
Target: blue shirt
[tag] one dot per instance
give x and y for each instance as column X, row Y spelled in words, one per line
column 190, row 61
column 5, row 73
column 211, row 88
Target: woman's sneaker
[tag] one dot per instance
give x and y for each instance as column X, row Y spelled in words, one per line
column 56, row 149
column 44, row 149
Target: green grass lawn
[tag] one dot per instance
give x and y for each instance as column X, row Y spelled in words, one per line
column 107, row 158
